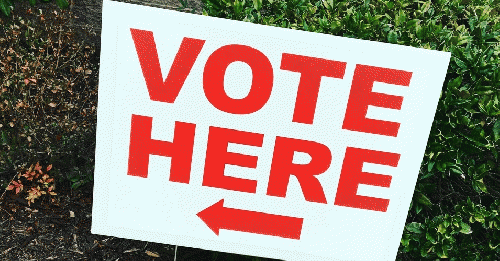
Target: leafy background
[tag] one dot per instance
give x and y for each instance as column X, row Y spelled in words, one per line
column 454, row 212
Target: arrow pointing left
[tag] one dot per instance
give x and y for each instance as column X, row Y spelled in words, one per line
column 219, row 217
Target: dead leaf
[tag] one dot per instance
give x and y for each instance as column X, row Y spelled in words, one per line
column 152, row 254
column 88, row 71
column 52, row 105
column 33, row 80
column 130, row 250
column 11, row 124
column 71, row 214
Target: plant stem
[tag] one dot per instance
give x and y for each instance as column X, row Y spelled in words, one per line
column 5, row 190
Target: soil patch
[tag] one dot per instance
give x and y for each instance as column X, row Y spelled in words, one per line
column 61, row 231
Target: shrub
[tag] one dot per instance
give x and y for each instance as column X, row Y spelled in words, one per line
column 455, row 211
column 7, row 5
column 36, row 183
column 48, row 95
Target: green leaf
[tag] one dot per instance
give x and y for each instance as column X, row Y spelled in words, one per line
column 427, row 247
column 327, row 4
column 430, row 165
column 5, row 140
column 5, row 7
column 479, row 185
column 441, row 166
column 418, row 208
column 496, row 130
column 414, row 227
column 405, row 240
column 426, row 6
column 493, row 246
column 431, row 237
column 465, row 228
column 392, row 37
column 423, row 199
column 455, row 83
column 400, row 18
column 257, row 4
column 62, row 3
column 442, row 228
column 412, row 23
column 479, row 218
column 183, row 3
column 460, row 63
column 238, row 6
column 441, row 251
column 423, row 252
column 32, row 2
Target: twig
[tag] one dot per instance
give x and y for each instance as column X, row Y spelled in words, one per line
column 59, row 47
column 71, row 58
column 5, row 212
column 76, row 251
column 6, row 251
column 1, row 197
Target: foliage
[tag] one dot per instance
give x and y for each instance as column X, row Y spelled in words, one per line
column 48, row 96
column 453, row 213
column 6, row 6
column 33, row 179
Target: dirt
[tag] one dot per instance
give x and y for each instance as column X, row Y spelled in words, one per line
column 61, row 231
column 89, row 12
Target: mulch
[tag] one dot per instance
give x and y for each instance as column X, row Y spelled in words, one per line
column 61, row 231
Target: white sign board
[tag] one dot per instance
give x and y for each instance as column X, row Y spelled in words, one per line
column 250, row 139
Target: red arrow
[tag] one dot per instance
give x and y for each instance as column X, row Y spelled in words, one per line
column 218, row 217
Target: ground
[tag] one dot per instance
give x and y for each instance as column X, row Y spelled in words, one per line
column 61, row 231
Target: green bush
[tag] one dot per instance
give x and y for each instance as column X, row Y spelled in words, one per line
column 455, row 208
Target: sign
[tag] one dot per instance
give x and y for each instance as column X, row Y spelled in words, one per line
column 250, row 139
